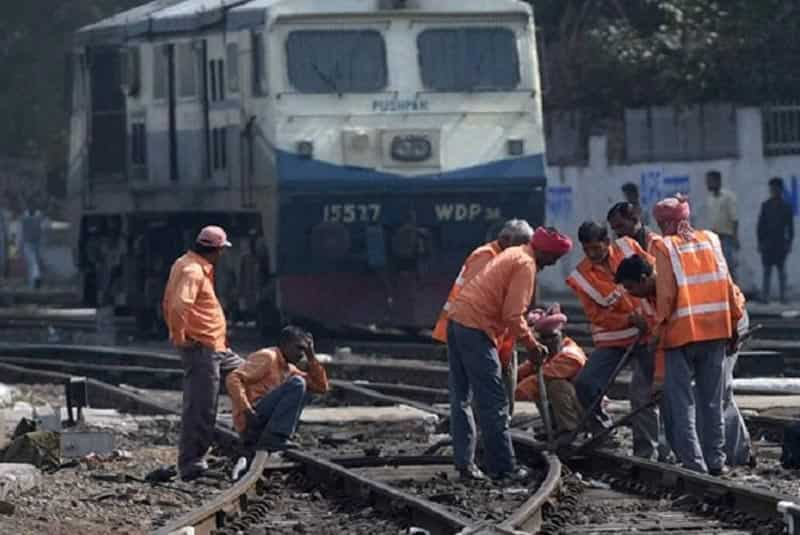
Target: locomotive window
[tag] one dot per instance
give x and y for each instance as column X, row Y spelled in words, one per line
column 131, row 69
column 187, row 70
column 469, row 59
column 336, row 61
column 259, row 74
column 138, row 144
column 160, row 72
column 219, row 146
column 233, row 67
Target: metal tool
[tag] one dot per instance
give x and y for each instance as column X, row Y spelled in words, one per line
column 589, row 413
column 545, row 403
column 743, row 339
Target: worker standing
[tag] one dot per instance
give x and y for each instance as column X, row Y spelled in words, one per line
column 625, row 221
column 611, row 312
column 197, row 328
column 564, row 361
column 492, row 305
column 696, row 315
column 639, row 278
column 513, row 233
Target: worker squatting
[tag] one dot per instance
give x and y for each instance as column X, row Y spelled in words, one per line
column 666, row 305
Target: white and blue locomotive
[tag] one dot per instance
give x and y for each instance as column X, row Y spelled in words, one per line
column 356, row 150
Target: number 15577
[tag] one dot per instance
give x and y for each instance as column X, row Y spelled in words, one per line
column 352, row 213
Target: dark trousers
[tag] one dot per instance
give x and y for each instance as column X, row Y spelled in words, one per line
column 201, row 378
column 278, row 412
column 780, row 266
column 475, row 369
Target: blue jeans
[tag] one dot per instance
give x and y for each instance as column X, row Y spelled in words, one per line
column 594, row 377
column 702, row 361
column 279, row 411
column 475, row 367
column 738, row 446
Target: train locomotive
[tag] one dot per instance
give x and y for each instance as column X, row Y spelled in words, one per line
column 355, row 150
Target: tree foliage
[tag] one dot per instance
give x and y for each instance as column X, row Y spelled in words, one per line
column 606, row 54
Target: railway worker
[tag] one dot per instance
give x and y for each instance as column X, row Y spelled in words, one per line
column 625, row 221
column 490, row 306
column 564, row 361
column 197, row 328
column 612, row 314
column 513, row 233
column 638, row 277
column 268, row 391
column 697, row 311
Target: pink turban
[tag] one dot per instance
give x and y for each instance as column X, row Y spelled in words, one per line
column 672, row 215
column 547, row 321
column 549, row 240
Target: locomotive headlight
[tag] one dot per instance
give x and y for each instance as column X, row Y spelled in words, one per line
column 305, row 148
column 411, row 148
column 515, row 147
column 360, row 142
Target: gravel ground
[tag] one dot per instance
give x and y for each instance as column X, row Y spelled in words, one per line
column 299, row 506
column 476, row 500
column 96, row 494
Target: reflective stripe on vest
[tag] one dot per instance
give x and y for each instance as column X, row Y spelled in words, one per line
column 613, row 336
column 624, row 246
column 702, row 309
column 705, row 308
column 591, row 291
column 711, row 245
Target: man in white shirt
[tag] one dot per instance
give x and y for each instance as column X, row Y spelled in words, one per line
column 722, row 217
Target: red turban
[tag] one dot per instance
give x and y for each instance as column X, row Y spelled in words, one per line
column 672, row 209
column 547, row 321
column 672, row 215
column 550, row 240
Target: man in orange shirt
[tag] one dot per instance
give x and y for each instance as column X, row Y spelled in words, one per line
column 514, row 232
column 491, row 306
column 268, row 391
column 197, row 328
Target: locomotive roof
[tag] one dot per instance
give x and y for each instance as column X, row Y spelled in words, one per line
column 173, row 16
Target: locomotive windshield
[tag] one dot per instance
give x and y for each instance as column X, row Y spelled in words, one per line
column 336, row 61
column 469, row 59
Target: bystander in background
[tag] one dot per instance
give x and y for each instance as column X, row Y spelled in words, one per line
column 723, row 218
column 775, row 232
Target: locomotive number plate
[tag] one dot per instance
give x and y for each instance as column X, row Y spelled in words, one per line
column 352, row 213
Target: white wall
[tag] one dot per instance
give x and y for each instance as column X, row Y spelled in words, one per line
column 576, row 194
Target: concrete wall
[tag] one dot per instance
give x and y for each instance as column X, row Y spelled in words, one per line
column 576, row 194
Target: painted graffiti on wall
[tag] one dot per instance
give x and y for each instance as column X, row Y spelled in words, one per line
column 654, row 185
column 792, row 194
column 559, row 203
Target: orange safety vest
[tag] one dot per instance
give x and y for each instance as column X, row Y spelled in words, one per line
column 472, row 266
column 702, row 309
column 606, row 294
column 566, row 364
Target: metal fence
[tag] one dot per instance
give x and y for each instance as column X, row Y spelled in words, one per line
column 702, row 132
column 781, row 129
column 567, row 137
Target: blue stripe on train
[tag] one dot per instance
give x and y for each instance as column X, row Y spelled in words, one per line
column 294, row 170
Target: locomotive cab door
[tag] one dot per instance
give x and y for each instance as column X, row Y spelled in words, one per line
column 108, row 127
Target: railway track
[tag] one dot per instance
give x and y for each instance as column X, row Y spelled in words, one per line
column 639, row 494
